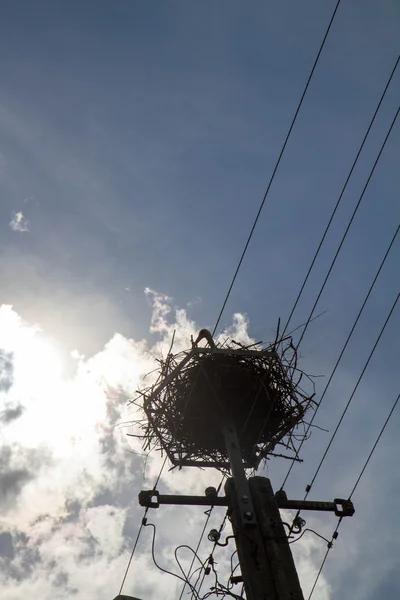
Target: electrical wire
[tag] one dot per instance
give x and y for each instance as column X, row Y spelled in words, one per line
column 155, row 485
column 374, row 446
column 147, row 508
column 310, row 317
column 211, row 557
column 381, row 432
column 208, row 513
column 312, row 531
column 343, row 239
column 355, row 389
column 178, row 562
column 341, row 195
column 196, row 551
column 233, row 569
column 277, row 165
column 389, row 248
column 267, row 191
column 133, row 551
column 324, row 283
column 350, row 400
column 156, row 563
column 348, row 226
column 320, row 569
column 140, row 530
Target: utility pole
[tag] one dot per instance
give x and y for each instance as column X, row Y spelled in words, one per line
column 266, row 561
column 228, row 408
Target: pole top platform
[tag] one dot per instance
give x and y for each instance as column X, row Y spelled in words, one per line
column 199, row 389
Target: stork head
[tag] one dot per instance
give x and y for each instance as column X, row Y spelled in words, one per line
column 204, row 334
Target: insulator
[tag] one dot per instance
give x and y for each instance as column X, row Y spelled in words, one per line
column 214, row 535
column 299, row 522
column 210, row 492
column 280, row 495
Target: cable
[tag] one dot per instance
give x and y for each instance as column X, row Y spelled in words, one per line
column 133, row 551
column 308, row 489
column 354, row 391
column 276, row 165
column 196, row 551
column 233, row 569
column 346, row 232
column 344, row 348
column 349, row 225
column 330, row 221
column 158, row 566
column 208, row 513
column 140, row 530
column 211, row 557
column 147, row 508
column 178, row 562
column 320, row 569
column 341, row 195
column 354, row 489
column 312, row 531
column 156, row 482
column 327, row 277
column 374, row 446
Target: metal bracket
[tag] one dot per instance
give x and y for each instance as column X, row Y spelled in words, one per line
column 146, row 498
column 242, row 489
column 347, row 509
column 153, row 499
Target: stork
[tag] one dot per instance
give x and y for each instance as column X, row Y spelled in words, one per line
column 204, row 334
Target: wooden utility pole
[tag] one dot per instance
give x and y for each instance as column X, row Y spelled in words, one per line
column 195, row 412
column 267, row 566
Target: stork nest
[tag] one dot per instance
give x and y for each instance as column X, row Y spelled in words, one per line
column 257, row 389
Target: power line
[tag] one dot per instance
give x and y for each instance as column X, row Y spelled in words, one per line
column 354, row 489
column 308, row 489
column 356, row 387
column 140, row 530
column 185, row 579
column 208, row 513
column 341, row 195
column 143, row 521
column 211, row 557
column 179, row 563
column 310, row 317
column 196, row 552
column 343, row 350
column 374, row 446
column 133, row 551
column 321, row 567
column 276, row 165
column 349, row 225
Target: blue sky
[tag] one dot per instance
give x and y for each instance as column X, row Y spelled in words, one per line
column 137, row 140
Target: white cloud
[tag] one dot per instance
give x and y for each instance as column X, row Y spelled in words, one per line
column 75, row 513
column 19, row 223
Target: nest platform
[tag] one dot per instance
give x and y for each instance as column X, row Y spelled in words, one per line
column 198, row 391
